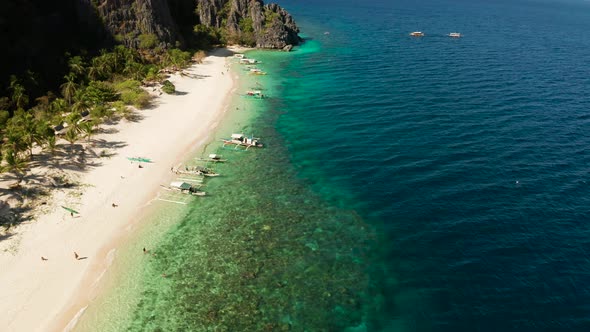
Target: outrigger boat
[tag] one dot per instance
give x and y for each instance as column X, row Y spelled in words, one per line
column 242, row 140
column 417, row 34
column 455, row 35
column 254, row 94
column 186, row 188
column 257, row 71
column 196, row 170
column 245, row 61
column 213, row 158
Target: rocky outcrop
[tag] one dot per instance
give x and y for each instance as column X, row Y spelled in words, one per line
column 37, row 34
column 127, row 20
column 250, row 21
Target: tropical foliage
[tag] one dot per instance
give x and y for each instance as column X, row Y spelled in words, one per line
column 94, row 89
column 168, row 87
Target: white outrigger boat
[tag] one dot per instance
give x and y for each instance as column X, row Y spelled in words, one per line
column 196, row 170
column 455, row 35
column 417, row 34
column 245, row 61
column 213, row 158
column 257, row 71
column 186, row 188
column 257, row 94
column 242, row 140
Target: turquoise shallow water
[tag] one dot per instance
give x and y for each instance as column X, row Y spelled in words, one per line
column 262, row 251
column 429, row 184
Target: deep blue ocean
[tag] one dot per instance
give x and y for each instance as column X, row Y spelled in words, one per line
column 470, row 157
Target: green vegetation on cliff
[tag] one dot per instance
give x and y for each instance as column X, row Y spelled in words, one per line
column 74, row 63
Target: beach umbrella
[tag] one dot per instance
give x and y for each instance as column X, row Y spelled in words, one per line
column 70, row 210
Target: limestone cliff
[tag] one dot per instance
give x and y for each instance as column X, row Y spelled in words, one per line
column 238, row 21
column 249, row 21
column 127, row 20
column 37, row 35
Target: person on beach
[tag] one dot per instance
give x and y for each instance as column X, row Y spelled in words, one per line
column 43, row 258
column 114, row 205
column 76, row 256
column 72, row 214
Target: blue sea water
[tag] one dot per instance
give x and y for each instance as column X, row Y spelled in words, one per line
column 406, row 184
column 469, row 156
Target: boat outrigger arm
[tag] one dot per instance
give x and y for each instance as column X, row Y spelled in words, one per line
column 241, row 140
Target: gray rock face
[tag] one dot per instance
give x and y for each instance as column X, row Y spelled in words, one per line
column 131, row 18
column 247, row 21
column 272, row 26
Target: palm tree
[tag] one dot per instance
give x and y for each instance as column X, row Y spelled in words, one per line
column 80, row 103
column 71, row 135
column 51, row 144
column 19, row 132
column 73, row 121
column 88, row 129
column 58, row 106
column 69, row 88
column 76, row 65
column 14, row 140
column 19, row 96
column 14, row 164
column 100, row 68
column 28, row 130
column 134, row 70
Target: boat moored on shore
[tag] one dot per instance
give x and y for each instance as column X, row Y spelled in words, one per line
column 246, row 61
column 186, row 188
column 242, row 140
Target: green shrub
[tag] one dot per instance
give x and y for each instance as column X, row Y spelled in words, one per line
column 99, row 92
column 178, row 58
column 148, row 40
column 4, row 116
column 168, row 87
column 126, row 85
column 131, row 93
column 139, row 100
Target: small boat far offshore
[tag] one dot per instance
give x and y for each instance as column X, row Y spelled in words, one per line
column 417, row 34
column 455, row 35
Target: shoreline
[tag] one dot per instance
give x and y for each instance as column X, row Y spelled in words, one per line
column 47, row 295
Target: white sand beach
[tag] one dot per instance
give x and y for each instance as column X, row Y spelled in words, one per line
column 44, row 295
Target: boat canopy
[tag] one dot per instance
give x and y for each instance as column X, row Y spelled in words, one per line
column 180, row 185
column 237, row 135
column 213, row 156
